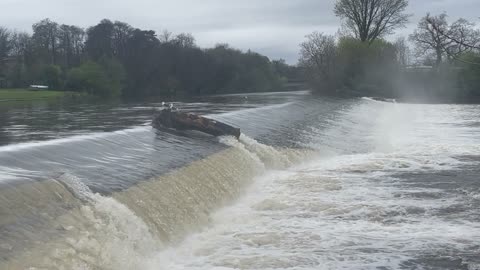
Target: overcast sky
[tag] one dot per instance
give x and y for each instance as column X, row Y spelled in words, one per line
column 271, row 27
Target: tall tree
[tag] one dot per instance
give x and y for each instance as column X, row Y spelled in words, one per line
column 21, row 45
column 22, row 57
column 371, row 19
column 46, row 36
column 100, row 40
column 5, row 44
column 141, row 62
column 5, row 47
column 122, row 32
column 402, row 50
column 185, row 40
column 71, row 40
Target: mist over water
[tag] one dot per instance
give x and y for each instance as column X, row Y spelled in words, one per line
column 313, row 183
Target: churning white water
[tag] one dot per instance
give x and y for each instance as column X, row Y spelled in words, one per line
column 351, row 209
column 374, row 185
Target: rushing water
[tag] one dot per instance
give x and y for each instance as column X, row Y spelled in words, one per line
column 313, row 183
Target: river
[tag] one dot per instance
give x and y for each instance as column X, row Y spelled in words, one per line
column 313, row 183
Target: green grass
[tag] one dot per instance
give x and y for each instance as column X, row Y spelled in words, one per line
column 28, row 95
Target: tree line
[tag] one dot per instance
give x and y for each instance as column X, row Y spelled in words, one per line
column 114, row 58
column 444, row 63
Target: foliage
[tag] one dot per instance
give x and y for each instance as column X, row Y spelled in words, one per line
column 113, row 58
column 470, row 76
column 349, row 66
column 51, row 76
column 95, row 79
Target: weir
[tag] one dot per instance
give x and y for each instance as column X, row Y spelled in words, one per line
column 60, row 224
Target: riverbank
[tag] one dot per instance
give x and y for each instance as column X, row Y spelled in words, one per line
column 7, row 95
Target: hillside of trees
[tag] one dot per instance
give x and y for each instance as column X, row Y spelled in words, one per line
column 443, row 66
column 114, row 58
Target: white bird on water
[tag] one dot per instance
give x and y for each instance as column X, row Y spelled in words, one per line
column 169, row 106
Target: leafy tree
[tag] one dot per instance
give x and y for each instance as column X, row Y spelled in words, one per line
column 52, row 76
column 141, row 63
column 470, row 76
column 71, row 40
column 94, row 79
column 45, row 36
column 113, row 58
column 349, row 66
column 122, row 32
column 99, row 41
column 22, row 52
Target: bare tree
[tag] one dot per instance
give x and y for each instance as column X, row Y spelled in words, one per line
column 462, row 33
column 165, row 36
column 318, row 58
column 435, row 35
column 185, row 40
column 402, row 50
column 371, row 19
column 428, row 39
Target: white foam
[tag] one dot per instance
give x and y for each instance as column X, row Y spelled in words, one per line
column 92, row 136
column 346, row 211
column 248, row 111
column 102, row 234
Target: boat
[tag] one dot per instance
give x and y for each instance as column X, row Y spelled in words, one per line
column 171, row 118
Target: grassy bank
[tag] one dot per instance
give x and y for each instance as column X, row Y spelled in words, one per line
column 28, row 95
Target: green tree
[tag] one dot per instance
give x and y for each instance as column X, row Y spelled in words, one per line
column 470, row 76
column 96, row 79
column 52, row 77
column 99, row 41
column 367, row 69
column 5, row 47
column 46, row 36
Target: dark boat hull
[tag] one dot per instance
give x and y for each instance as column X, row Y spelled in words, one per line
column 189, row 121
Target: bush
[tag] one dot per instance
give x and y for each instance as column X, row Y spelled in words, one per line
column 349, row 66
column 100, row 80
column 52, row 76
column 470, row 75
